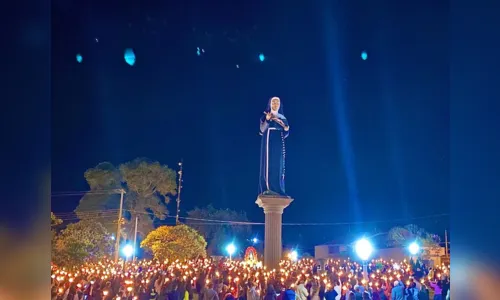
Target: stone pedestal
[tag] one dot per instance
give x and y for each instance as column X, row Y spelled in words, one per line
column 273, row 209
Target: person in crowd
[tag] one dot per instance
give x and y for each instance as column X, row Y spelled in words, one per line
column 148, row 280
column 270, row 293
column 412, row 292
column 252, row 292
column 423, row 294
column 241, row 294
column 350, row 295
column 358, row 295
column 366, row 296
column 301, row 291
column 209, row 293
column 289, row 293
column 322, row 290
column 314, row 291
column 229, row 296
column 438, row 289
column 398, row 291
column 445, row 284
column 174, row 294
column 331, row 293
column 382, row 292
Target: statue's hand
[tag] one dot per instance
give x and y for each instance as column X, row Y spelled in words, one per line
column 287, row 128
column 268, row 116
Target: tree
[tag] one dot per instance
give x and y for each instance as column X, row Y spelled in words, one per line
column 148, row 186
column 54, row 221
column 175, row 242
column 216, row 233
column 402, row 236
column 83, row 241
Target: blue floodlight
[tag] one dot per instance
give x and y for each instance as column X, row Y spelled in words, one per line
column 128, row 251
column 255, row 240
column 414, row 248
column 293, row 255
column 363, row 249
column 231, row 249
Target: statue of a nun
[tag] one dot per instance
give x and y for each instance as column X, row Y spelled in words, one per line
column 274, row 130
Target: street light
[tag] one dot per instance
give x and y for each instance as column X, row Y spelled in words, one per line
column 230, row 250
column 414, row 248
column 364, row 250
column 128, row 251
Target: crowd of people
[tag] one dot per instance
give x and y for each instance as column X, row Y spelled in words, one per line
column 206, row 279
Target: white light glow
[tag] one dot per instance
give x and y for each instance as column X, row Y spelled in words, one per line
column 230, row 249
column 414, row 248
column 363, row 249
column 128, row 250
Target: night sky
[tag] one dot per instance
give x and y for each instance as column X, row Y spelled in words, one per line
column 369, row 139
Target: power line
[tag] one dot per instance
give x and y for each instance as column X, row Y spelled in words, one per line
column 86, row 212
column 82, row 193
column 222, row 222
column 106, row 213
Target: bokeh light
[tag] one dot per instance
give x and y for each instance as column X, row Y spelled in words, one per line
column 79, row 58
column 364, row 55
column 129, row 56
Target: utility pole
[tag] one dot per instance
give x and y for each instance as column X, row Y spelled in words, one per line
column 446, row 242
column 179, row 193
column 135, row 237
column 119, row 227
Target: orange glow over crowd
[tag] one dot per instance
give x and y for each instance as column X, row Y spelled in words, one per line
column 147, row 279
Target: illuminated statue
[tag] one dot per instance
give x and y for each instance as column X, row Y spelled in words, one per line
column 274, row 130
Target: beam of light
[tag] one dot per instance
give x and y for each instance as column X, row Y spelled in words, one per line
column 336, row 73
column 129, row 56
column 392, row 124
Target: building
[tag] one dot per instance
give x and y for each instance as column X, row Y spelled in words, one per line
column 322, row 253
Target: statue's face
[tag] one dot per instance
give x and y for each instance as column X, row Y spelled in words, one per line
column 275, row 104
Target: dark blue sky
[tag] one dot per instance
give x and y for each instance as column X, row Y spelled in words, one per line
column 369, row 139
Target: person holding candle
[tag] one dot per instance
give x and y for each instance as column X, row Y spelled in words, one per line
column 398, row 291
column 438, row 289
